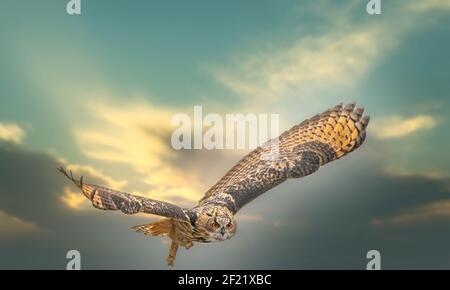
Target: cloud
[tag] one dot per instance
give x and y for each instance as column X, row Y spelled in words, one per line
column 398, row 127
column 329, row 61
column 74, row 200
column 339, row 57
column 11, row 225
column 35, row 223
column 320, row 224
column 85, row 170
column 433, row 202
column 428, row 212
column 432, row 175
column 32, row 189
column 11, row 132
column 132, row 137
column 430, row 5
column 138, row 136
column 129, row 134
column 428, row 174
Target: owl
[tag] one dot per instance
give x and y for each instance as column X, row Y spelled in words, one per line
column 296, row 153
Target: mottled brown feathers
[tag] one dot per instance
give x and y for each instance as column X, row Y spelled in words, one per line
column 297, row 152
column 109, row 199
column 159, row 228
column 301, row 151
column 342, row 128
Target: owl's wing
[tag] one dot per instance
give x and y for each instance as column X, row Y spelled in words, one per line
column 110, row 199
column 301, row 151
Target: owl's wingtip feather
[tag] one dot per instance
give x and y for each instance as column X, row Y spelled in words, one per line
column 78, row 183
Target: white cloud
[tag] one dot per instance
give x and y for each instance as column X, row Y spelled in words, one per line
column 336, row 57
column 398, row 127
column 11, row 132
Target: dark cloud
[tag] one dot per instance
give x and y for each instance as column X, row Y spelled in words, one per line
column 322, row 221
column 328, row 219
column 30, row 189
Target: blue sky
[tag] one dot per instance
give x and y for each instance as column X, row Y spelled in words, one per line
column 96, row 93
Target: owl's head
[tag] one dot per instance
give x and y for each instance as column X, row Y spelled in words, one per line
column 219, row 223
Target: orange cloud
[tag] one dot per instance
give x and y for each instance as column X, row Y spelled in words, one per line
column 76, row 200
column 138, row 137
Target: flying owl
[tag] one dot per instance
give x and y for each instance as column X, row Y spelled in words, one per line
column 299, row 152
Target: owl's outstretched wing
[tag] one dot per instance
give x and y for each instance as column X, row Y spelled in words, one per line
column 110, row 199
column 297, row 152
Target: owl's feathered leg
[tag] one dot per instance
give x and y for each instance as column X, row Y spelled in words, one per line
column 172, row 254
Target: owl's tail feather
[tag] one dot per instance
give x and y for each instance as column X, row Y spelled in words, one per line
column 159, row 228
column 163, row 227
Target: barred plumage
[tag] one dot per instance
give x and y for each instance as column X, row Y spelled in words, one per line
column 300, row 151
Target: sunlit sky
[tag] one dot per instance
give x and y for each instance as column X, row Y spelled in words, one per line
column 96, row 93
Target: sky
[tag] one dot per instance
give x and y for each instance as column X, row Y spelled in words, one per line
column 96, row 93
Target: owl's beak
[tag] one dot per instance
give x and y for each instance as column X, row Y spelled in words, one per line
column 222, row 231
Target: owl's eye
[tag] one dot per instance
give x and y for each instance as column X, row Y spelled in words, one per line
column 229, row 226
column 215, row 225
